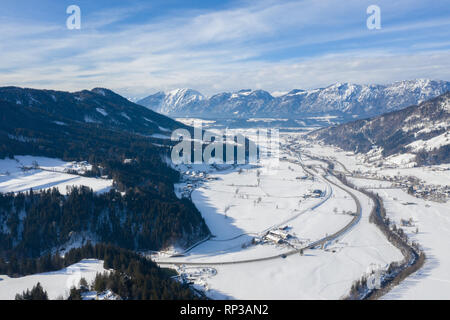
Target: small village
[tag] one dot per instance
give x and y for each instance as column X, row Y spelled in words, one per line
column 413, row 185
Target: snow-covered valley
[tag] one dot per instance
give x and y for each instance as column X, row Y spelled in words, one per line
column 290, row 231
column 428, row 223
column 244, row 208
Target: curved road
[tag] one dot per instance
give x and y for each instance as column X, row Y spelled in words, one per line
column 319, row 242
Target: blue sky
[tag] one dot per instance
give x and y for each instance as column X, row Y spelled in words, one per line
column 139, row 47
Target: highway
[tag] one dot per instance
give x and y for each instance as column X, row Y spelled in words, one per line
column 314, row 244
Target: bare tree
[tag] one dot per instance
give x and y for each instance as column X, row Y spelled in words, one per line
column 35, row 164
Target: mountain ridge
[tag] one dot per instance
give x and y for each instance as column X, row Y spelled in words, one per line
column 345, row 99
column 421, row 132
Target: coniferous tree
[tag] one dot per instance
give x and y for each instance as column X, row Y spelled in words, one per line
column 37, row 293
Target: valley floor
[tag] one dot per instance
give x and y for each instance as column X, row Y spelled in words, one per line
column 261, row 217
column 231, row 207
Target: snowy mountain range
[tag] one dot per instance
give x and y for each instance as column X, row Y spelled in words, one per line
column 416, row 135
column 344, row 99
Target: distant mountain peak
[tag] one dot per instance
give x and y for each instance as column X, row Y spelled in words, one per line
column 173, row 100
column 183, row 91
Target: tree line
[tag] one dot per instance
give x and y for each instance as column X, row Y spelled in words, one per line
column 34, row 223
column 131, row 275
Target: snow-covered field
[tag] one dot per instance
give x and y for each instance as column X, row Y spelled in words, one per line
column 237, row 196
column 237, row 208
column 318, row 274
column 437, row 175
column 56, row 283
column 432, row 221
column 44, row 173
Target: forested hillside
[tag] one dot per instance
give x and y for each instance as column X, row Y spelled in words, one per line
column 421, row 130
column 141, row 212
column 134, row 276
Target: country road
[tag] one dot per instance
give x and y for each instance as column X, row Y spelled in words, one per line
column 319, row 242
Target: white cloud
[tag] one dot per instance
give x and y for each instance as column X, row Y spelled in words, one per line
column 218, row 50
